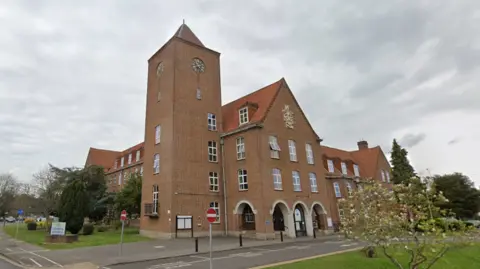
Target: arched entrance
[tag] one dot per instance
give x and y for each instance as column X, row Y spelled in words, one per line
column 299, row 220
column 319, row 216
column 278, row 219
column 246, row 216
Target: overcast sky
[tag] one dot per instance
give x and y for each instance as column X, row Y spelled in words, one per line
column 73, row 73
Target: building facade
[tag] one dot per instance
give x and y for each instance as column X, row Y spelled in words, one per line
column 257, row 160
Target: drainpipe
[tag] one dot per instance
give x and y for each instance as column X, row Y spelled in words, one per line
column 224, row 186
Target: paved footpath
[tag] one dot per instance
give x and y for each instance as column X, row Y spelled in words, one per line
column 245, row 258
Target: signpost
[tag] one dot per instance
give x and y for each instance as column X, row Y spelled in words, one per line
column 211, row 217
column 19, row 213
column 123, row 218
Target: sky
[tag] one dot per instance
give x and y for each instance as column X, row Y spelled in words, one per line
column 73, row 73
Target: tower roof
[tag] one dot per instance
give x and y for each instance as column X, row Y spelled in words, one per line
column 184, row 32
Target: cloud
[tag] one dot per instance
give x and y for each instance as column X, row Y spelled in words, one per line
column 411, row 140
column 72, row 73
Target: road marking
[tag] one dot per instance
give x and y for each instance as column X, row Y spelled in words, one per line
column 35, row 262
column 298, row 247
column 348, row 245
column 159, row 246
column 200, row 257
column 262, row 249
column 40, row 256
column 170, row 265
column 245, row 254
column 8, row 249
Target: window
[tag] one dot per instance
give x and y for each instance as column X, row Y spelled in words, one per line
column 212, row 122
column 156, row 163
column 242, row 180
column 141, row 170
column 313, row 182
column 331, row 168
column 158, row 134
column 116, row 164
column 155, row 199
column 340, row 212
column 309, row 151
column 296, row 181
column 383, row 175
column 292, row 150
column 344, row 168
column 136, row 170
column 349, row 189
column 130, row 158
column 274, row 147
column 212, row 151
column 122, row 161
column 215, row 206
column 243, row 114
column 336, row 187
column 199, row 94
column 213, row 179
column 388, row 176
column 240, row 148
column 248, row 215
column 120, row 178
column 277, row 179
column 125, row 176
column 356, row 171
column 137, row 157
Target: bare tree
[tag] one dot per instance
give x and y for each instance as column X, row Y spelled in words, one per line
column 48, row 189
column 9, row 187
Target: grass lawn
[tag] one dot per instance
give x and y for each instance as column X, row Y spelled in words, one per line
column 96, row 239
column 465, row 257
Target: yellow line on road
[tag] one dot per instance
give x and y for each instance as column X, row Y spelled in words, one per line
column 306, row 258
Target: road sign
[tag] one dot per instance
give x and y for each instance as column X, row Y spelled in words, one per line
column 20, row 212
column 123, row 215
column 211, row 215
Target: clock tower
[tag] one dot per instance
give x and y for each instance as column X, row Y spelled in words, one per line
column 183, row 123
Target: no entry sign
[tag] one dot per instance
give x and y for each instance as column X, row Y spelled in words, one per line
column 123, row 215
column 211, row 215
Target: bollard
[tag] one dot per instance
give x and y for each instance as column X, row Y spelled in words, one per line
column 281, row 236
column 240, row 240
column 196, row 244
column 314, row 234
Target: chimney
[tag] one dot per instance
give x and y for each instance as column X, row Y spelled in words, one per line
column 362, row 145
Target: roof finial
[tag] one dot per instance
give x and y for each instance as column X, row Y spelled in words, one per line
column 183, row 21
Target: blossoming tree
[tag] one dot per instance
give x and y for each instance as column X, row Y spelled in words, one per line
column 398, row 222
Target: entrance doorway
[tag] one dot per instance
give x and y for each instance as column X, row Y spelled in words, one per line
column 299, row 220
column 248, row 218
column 319, row 217
column 278, row 220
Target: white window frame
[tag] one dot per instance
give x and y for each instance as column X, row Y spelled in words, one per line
column 120, row 179
column 240, row 148
column 141, row 170
column 356, row 170
column 349, row 188
column 387, row 173
column 130, row 158
column 212, row 151
column 344, row 168
column 331, row 166
column 242, row 176
column 383, row 175
column 156, row 163
column 277, row 179
column 155, row 199
column 338, row 191
column 313, row 181
column 309, row 152
column 212, row 122
column 297, row 186
column 243, row 115
column 213, row 181
column 274, row 147
column 158, row 134
column 292, row 150
column 122, row 161
column 216, row 207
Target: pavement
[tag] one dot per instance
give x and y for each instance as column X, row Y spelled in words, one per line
column 107, row 256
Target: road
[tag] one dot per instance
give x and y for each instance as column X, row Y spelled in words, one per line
column 6, row 265
column 244, row 258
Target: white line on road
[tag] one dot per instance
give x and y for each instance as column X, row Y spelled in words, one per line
column 40, row 256
column 200, row 257
column 35, row 262
column 159, row 246
column 348, row 245
column 8, row 249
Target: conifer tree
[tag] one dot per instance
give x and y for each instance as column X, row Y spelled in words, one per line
column 402, row 171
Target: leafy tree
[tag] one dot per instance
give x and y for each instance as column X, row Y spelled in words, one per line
column 130, row 197
column 402, row 171
column 74, row 205
column 9, row 187
column 389, row 220
column 463, row 197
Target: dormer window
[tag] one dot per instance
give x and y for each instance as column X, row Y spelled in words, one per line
column 243, row 115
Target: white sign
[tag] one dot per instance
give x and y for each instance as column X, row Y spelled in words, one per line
column 58, row 228
column 329, row 222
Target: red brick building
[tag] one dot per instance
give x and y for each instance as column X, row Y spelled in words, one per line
column 257, row 160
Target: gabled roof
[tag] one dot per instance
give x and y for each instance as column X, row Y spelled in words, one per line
column 184, row 32
column 101, row 157
column 368, row 159
column 263, row 98
column 337, row 153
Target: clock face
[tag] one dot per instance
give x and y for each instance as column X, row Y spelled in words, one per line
column 198, row 65
column 160, row 68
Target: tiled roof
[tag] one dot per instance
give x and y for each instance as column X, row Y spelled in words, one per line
column 337, row 153
column 101, row 157
column 184, row 32
column 263, row 98
column 368, row 159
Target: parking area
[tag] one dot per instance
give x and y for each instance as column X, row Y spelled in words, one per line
column 29, row 257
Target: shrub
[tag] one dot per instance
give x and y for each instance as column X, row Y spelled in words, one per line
column 102, row 228
column 118, row 224
column 32, row 226
column 41, row 224
column 29, row 220
column 88, row 229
